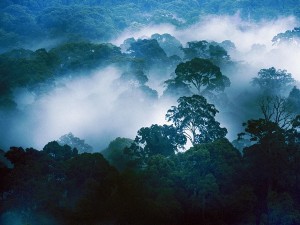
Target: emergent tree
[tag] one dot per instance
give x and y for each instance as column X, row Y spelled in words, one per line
column 201, row 76
column 195, row 118
column 272, row 81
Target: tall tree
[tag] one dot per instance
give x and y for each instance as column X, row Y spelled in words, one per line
column 270, row 160
column 201, row 76
column 294, row 99
column 59, row 152
column 75, row 142
column 114, row 153
column 195, row 118
column 277, row 118
column 207, row 50
column 278, row 110
column 289, row 36
column 273, row 81
column 155, row 140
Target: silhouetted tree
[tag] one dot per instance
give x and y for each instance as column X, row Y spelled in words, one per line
column 201, row 76
column 59, row 152
column 114, row 153
column 272, row 81
column 195, row 118
column 155, row 140
column 75, row 142
column 294, row 99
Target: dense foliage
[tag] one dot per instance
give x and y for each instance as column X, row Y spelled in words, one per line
column 25, row 22
column 210, row 183
column 182, row 172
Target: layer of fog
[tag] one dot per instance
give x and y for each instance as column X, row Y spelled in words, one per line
column 254, row 51
column 253, row 40
column 89, row 106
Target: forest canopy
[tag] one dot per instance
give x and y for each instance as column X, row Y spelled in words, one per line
column 25, row 22
column 149, row 112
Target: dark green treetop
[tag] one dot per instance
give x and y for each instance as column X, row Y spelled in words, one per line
column 195, row 118
column 154, row 140
column 201, row 76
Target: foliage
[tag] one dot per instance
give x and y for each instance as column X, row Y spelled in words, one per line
column 103, row 20
column 201, row 76
column 272, row 81
column 81, row 56
column 93, row 24
column 289, row 36
column 277, row 122
column 270, row 160
column 204, row 175
column 90, row 177
column 33, row 67
column 59, row 152
column 134, row 75
column 149, row 51
column 75, row 142
column 35, row 183
column 210, row 183
column 152, row 179
column 294, row 99
column 155, row 140
column 195, row 118
column 278, row 110
column 114, row 153
column 164, row 140
column 169, row 44
column 176, row 88
column 206, row 50
column 38, row 70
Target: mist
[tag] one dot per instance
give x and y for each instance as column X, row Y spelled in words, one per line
column 254, row 51
column 94, row 107
column 253, row 40
column 88, row 106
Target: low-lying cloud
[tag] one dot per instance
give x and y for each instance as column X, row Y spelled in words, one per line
column 91, row 107
column 253, row 40
column 88, row 106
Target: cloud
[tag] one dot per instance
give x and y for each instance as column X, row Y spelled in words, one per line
column 88, row 106
column 253, row 39
column 243, row 33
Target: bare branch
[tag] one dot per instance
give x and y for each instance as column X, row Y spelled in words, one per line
column 276, row 109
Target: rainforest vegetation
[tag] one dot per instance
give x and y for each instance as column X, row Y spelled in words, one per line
column 171, row 129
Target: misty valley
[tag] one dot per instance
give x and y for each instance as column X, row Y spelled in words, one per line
column 149, row 112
